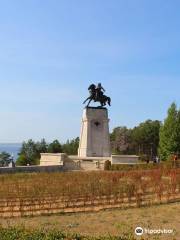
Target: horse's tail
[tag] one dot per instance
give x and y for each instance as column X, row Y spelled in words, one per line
column 109, row 101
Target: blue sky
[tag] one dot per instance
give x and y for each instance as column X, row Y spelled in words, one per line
column 51, row 50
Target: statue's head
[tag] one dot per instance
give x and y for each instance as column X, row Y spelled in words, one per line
column 99, row 84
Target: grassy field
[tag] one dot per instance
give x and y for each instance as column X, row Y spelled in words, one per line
column 110, row 187
column 26, row 194
column 110, row 222
column 89, row 184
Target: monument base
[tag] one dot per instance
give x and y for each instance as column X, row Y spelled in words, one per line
column 71, row 163
column 94, row 137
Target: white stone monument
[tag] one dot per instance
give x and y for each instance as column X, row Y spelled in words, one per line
column 94, row 137
column 94, row 146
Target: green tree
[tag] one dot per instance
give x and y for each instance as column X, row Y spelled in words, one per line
column 5, row 159
column 55, row 147
column 169, row 133
column 121, row 140
column 22, row 160
column 41, row 147
column 71, row 147
column 142, row 139
column 145, row 138
column 30, row 152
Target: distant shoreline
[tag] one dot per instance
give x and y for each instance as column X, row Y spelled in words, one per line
column 11, row 144
column 11, row 148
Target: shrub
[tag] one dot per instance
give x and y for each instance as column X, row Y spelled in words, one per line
column 107, row 165
column 19, row 233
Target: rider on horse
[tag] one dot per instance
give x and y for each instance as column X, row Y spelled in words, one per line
column 99, row 91
column 97, row 95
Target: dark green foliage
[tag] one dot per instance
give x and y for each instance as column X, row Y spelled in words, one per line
column 121, row 140
column 170, row 133
column 20, row 233
column 21, row 161
column 55, row 147
column 141, row 140
column 150, row 138
column 30, row 152
column 145, row 138
column 71, row 147
column 5, row 159
column 42, row 146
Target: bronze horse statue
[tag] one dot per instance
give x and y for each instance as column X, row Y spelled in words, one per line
column 97, row 96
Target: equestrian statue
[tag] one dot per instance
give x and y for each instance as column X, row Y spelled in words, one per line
column 97, row 95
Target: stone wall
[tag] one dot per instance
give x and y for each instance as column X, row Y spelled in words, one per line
column 27, row 169
column 124, row 159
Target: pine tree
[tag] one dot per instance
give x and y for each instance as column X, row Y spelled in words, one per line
column 168, row 133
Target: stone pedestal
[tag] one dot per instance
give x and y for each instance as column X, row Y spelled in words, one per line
column 48, row 159
column 94, row 137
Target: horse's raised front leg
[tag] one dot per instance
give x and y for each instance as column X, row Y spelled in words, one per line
column 89, row 102
column 86, row 100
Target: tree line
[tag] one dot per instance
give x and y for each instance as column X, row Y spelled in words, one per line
column 142, row 140
column 30, row 151
column 149, row 139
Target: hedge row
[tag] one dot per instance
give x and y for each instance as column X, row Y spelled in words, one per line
column 19, row 233
column 142, row 166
